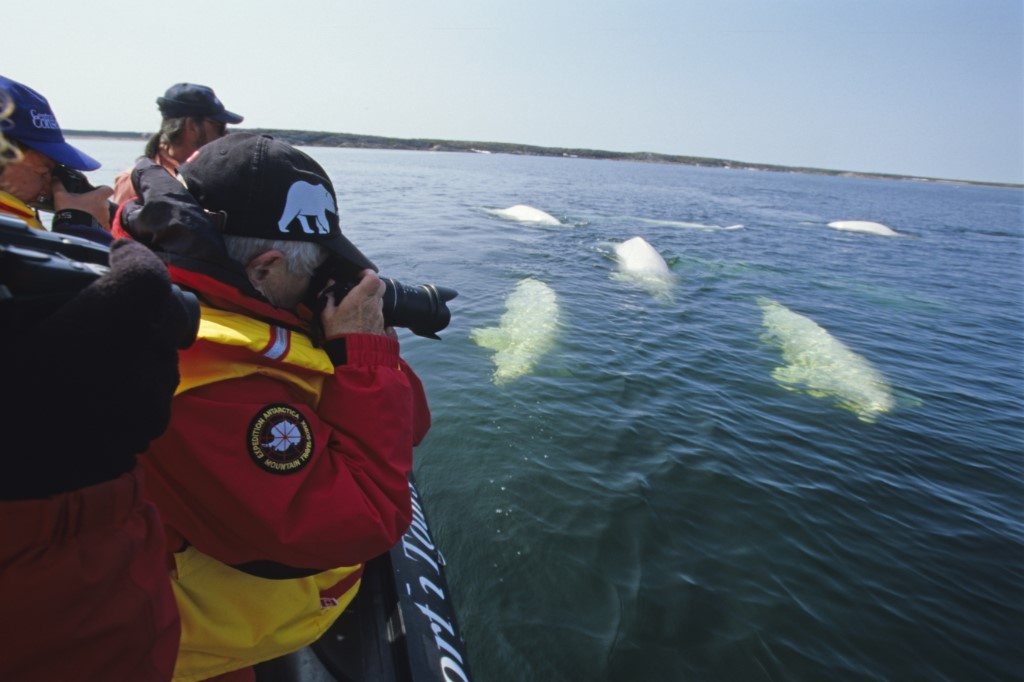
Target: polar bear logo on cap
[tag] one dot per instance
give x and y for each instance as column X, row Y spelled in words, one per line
column 308, row 200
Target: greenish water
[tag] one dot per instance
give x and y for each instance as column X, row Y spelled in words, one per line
column 649, row 501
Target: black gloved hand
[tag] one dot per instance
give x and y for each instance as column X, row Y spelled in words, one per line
column 91, row 385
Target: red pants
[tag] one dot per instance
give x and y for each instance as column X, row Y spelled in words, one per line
column 84, row 592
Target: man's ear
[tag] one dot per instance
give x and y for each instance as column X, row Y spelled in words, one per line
column 260, row 268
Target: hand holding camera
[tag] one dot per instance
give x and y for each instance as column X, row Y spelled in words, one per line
column 93, row 201
column 422, row 308
column 71, row 191
column 360, row 311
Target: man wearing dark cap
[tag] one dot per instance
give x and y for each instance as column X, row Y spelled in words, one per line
column 192, row 116
column 30, row 182
column 285, row 465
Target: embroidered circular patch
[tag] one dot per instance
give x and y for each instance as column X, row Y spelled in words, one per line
column 280, row 439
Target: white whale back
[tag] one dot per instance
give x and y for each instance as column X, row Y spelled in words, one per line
column 865, row 226
column 637, row 256
column 526, row 214
column 641, row 264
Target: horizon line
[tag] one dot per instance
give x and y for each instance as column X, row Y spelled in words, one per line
column 361, row 141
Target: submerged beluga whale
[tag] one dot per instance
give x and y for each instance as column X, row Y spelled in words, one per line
column 525, row 333
column 822, row 366
column 525, row 214
column 639, row 262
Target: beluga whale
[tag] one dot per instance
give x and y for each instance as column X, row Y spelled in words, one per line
column 522, row 213
column 525, row 333
column 865, row 226
column 822, row 365
column 640, row 263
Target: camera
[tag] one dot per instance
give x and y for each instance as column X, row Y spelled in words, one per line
column 75, row 182
column 421, row 308
column 40, row 271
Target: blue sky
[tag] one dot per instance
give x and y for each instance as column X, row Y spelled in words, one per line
column 920, row 88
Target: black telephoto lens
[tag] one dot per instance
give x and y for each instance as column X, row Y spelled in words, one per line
column 421, row 308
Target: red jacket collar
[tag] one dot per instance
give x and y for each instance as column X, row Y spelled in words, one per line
column 227, row 297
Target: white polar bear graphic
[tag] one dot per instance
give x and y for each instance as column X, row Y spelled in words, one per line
column 305, row 199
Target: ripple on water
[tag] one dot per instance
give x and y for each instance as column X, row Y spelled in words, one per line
column 647, row 502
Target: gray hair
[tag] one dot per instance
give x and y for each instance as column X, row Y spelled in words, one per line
column 302, row 258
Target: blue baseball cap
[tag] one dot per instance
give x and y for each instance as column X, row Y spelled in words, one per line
column 188, row 99
column 33, row 125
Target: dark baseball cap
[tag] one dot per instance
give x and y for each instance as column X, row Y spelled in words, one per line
column 33, row 125
column 189, row 99
column 268, row 189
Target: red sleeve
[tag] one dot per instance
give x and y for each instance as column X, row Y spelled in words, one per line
column 250, row 471
column 420, row 410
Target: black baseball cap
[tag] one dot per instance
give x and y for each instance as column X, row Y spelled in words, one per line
column 33, row 125
column 268, row 189
column 189, row 99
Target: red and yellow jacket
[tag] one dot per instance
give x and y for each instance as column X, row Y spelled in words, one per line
column 13, row 206
column 279, row 475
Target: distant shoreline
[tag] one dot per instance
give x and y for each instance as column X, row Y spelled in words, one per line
column 351, row 141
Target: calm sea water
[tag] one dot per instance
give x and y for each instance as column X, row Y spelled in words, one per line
column 649, row 502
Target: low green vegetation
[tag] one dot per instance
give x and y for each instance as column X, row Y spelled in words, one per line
column 311, row 138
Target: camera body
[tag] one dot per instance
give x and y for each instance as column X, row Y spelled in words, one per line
column 40, row 271
column 422, row 308
column 75, row 182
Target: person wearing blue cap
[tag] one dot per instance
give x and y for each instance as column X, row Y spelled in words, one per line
column 84, row 590
column 192, row 116
column 30, row 181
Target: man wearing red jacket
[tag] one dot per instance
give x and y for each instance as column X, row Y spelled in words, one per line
column 285, row 465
